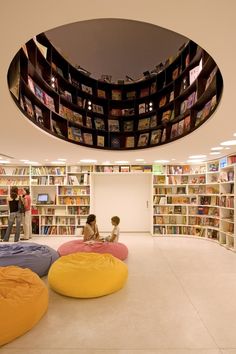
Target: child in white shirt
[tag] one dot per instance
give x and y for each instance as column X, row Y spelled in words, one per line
column 114, row 237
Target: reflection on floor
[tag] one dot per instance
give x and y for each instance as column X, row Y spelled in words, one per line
column 179, row 299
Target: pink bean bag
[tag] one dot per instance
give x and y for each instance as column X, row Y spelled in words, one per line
column 116, row 249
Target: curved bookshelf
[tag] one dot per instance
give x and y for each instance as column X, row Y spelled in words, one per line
column 165, row 105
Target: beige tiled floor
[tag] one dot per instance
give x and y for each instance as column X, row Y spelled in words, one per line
column 180, row 298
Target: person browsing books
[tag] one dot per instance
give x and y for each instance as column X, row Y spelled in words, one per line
column 15, row 215
column 90, row 231
column 27, row 216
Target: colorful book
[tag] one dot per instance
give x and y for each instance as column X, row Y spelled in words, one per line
column 38, row 115
column 155, row 137
column 100, row 140
column 87, row 89
column 129, row 142
column 113, row 125
column 153, row 121
column 143, row 123
column 128, row 126
column 88, row 138
column 101, row 93
column 131, row 95
column 29, row 107
column 89, row 122
column 116, row 95
column 99, row 123
column 143, row 139
column 75, row 134
column 98, row 109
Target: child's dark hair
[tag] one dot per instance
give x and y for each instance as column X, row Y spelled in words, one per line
column 14, row 192
column 116, row 219
column 91, row 218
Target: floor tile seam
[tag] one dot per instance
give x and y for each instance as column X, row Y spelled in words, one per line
column 188, row 297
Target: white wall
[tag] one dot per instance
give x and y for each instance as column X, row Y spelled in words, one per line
column 127, row 196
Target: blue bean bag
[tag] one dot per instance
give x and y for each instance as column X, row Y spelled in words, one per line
column 36, row 257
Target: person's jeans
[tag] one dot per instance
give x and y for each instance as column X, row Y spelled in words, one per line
column 13, row 216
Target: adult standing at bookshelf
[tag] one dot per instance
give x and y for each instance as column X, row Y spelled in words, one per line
column 90, row 231
column 15, row 215
column 27, row 216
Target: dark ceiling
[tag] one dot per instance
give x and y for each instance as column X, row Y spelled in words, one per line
column 115, row 47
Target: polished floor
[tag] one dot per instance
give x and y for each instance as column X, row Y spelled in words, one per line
column 180, row 298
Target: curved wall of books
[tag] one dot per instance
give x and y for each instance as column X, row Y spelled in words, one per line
column 166, row 104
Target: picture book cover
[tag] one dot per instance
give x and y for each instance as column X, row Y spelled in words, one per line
column 142, row 108
column 174, row 131
column 163, row 137
column 153, row 121
column 98, row 109
column 89, row 122
column 38, row 114
column 187, row 124
column 87, row 89
column 129, row 142
column 31, row 84
column 88, row 138
column 56, row 128
column 77, row 118
column 127, row 112
column 143, row 139
column 39, row 93
column 128, row 126
column 172, row 95
column 100, row 140
column 116, row 95
column 113, row 125
column 155, row 137
column 166, row 116
column 101, row 93
column 75, row 134
column 28, row 107
column 181, row 127
column 117, row 112
column 99, row 123
column 131, row 95
column 162, row 101
column 144, row 123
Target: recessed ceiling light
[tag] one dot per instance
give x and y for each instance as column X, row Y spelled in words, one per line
column 61, row 159
column 217, row 148
column 24, row 160
column 215, row 153
column 161, row 161
column 234, row 134
column 122, row 161
column 106, row 162
column 195, row 160
column 5, row 161
column 227, row 148
column 88, row 161
column 139, row 160
column 228, row 143
column 197, row 156
column 173, row 159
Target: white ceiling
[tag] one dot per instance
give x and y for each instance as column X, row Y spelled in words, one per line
column 211, row 24
column 115, row 47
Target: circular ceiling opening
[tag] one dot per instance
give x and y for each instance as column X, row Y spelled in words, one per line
column 115, row 84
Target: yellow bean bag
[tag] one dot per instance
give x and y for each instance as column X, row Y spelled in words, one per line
column 23, row 301
column 87, row 275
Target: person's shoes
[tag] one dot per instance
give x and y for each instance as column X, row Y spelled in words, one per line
column 24, row 239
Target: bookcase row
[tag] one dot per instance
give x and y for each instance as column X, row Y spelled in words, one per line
column 163, row 106
column 197, row 200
